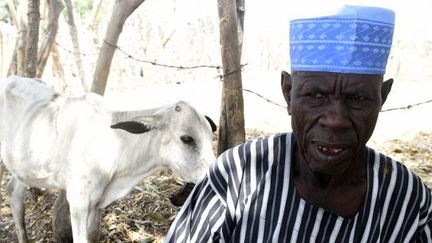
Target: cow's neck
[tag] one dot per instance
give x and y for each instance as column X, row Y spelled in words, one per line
column 140, row 156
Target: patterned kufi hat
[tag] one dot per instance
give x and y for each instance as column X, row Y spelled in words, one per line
column 356, row 39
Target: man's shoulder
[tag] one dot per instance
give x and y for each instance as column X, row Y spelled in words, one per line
column 396, row 171
column 263, row 141
column 262, row 152
column 258, row 147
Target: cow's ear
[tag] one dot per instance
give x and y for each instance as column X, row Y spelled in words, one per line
column 137, row 125
column 212, row 124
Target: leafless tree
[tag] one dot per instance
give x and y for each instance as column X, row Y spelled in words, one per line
column 75, row 42
column 12, row 12
column 55, row 7
column 93, row 23
column 231, row 123
column 122, row 10
column 32, row 40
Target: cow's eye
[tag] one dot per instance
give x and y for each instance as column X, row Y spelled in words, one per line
column 187, row 139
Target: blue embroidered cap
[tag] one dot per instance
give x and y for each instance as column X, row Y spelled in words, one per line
column 356, row 39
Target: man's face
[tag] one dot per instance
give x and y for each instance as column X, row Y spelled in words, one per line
column 333, row 116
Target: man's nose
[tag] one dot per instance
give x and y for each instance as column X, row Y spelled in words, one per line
column 335, row 116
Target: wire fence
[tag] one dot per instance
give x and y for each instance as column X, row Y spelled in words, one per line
column 218, row 68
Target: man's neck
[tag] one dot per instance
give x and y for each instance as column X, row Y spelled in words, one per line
column 342, row 194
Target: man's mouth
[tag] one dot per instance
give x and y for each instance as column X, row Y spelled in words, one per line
column 330, row 150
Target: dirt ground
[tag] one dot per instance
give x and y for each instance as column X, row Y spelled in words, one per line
column 145, row 214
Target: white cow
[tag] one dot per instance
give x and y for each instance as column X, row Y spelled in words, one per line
column 52, row 141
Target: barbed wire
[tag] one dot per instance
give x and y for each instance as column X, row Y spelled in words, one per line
column 264, row 98
column 217, row 67
column 159, row 64
column 54, row 37
column 408, row 106
column 73, row 52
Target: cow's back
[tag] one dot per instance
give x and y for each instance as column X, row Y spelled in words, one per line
column 17, row 96
column 39, row 126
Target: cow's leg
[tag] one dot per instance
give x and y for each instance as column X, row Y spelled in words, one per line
column 85, row 216
column 16, row 191
column 61, row 222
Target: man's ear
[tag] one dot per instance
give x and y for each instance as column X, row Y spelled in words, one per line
column 286, row 86
column 385, row 90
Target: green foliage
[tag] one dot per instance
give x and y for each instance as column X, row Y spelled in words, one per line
column 4, row 15
column 83, row 7
column 4, row 11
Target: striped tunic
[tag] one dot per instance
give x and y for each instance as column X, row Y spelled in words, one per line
column 249, row 196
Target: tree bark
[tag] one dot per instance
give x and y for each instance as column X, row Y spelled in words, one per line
column 57, row 66
column 55, row 7
column 231, row 124
column 21, row 50
column 75, row 42
column 32, row 38
column 122, row 10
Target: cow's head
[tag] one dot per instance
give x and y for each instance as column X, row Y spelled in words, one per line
column 185, row 137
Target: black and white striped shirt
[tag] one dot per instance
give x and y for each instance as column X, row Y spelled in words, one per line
column 249, row 196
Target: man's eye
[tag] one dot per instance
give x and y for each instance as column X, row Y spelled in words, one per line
column 355, row 97
column 316, row 95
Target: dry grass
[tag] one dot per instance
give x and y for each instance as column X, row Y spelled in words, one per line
column 145, row 214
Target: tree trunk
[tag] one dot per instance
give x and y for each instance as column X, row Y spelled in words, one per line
column 13, row 65
column 55, row 7
column 21, row 46
column 32, row 38
column 12, row 13
column 94, row 22
column 122, row 10
column 240, row 23
column 57, row 67
column 75, row 43
column 231, row 123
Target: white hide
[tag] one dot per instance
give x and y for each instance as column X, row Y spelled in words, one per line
column 53, row 141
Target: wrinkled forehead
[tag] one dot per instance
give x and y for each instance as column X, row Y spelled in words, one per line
column 348, row 79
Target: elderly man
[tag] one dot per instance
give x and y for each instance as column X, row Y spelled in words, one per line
column 320, row 183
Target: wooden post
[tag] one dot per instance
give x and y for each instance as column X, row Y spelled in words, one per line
column 231, row 124
column 32, row 38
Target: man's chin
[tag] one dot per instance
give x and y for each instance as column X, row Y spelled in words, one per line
column 330, row 160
